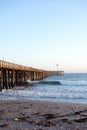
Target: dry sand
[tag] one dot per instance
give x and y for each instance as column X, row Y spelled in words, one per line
column 42, row 115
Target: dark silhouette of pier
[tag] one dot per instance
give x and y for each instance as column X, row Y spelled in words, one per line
column 12, row 74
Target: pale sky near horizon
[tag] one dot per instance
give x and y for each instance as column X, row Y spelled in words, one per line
column 43, row 33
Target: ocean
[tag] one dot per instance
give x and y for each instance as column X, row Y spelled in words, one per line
column 70, row 87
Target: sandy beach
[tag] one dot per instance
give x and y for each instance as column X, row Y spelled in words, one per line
column 42, row 115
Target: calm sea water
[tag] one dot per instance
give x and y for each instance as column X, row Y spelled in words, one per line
column 66, row 88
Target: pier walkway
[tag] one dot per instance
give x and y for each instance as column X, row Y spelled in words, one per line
column 12, row 74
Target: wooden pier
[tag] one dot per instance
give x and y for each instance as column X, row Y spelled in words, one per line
column 12, row 74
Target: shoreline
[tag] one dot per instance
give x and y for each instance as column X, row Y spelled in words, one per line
column 42, row 115
column 39, row 100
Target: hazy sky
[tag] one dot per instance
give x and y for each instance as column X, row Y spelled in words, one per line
column 43, row 33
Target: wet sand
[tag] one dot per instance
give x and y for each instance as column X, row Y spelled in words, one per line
column 42, row 115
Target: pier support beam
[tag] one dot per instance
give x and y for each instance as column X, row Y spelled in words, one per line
column 1, row 79
column 31, row 76
column 13, row 78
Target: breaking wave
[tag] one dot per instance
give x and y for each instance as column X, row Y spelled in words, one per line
column 49, row 82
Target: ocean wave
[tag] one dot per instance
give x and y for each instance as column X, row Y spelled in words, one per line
column 49, row 82
column 73, row 83
column 59, row 82
column 64, row 83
